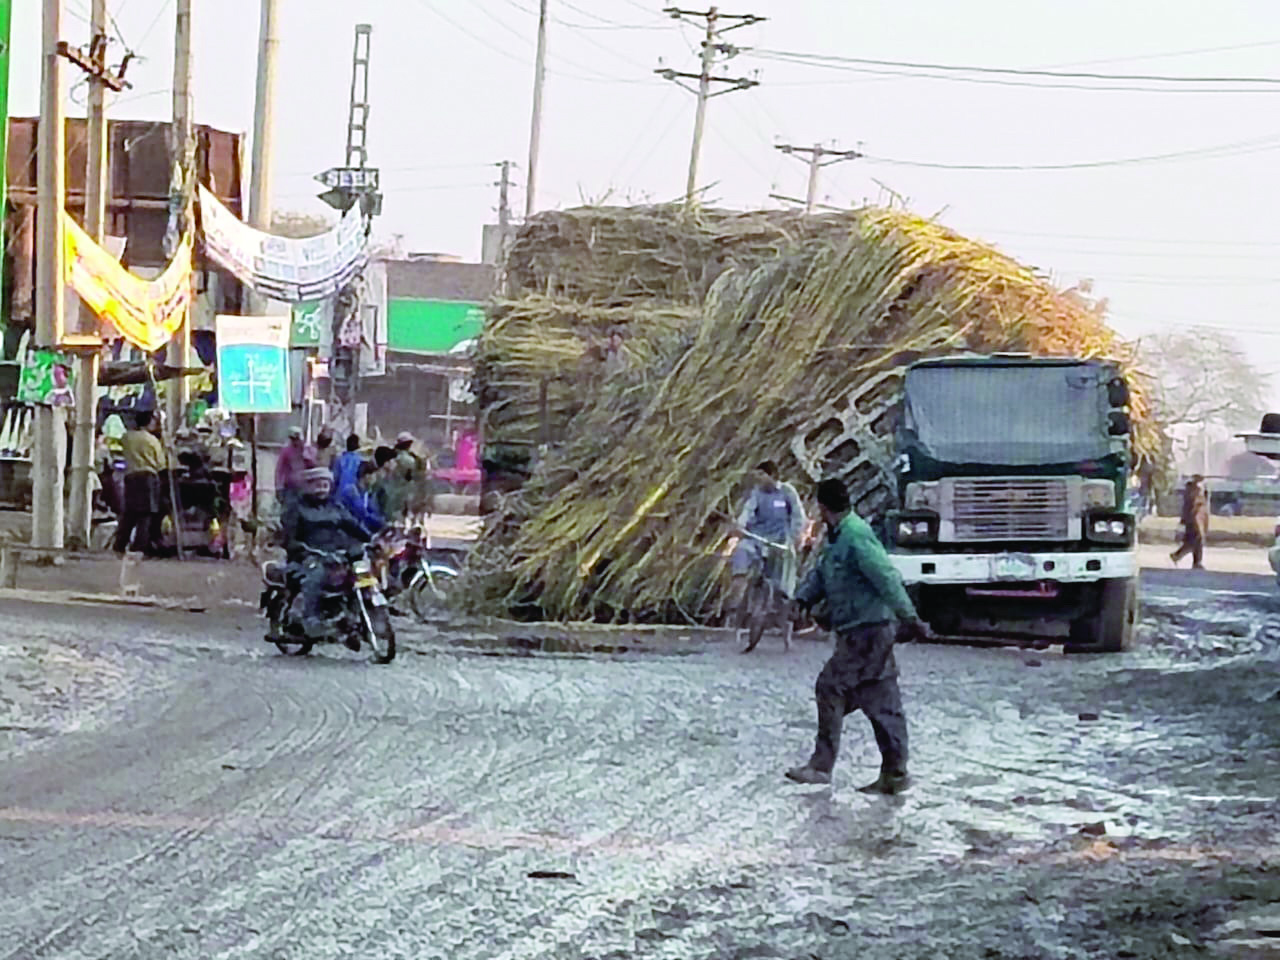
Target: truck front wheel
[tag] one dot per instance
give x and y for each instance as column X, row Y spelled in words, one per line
column 1110, row 629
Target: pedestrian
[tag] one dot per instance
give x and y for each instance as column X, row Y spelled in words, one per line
column 864, row 594
column 144, row 462
column 388, row 487
column 346, row 469
column 326, row 452
column 615, row 358
column 1195, row 523
column 294, row 459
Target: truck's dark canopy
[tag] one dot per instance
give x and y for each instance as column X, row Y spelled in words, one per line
column 1007, row 412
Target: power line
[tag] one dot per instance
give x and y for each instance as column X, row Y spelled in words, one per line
column 1008, row 82
column 1271, row 142
column 1171, row 53
column 1020, row 72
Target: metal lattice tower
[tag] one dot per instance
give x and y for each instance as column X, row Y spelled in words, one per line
column 358, row 121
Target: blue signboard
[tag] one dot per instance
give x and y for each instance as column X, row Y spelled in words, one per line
column 253, row 364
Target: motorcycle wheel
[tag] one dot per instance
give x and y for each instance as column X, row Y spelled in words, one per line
column 297, row 648
column 381, row 635
column 427, row 596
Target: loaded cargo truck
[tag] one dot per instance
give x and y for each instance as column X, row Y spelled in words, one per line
column 1011, row 478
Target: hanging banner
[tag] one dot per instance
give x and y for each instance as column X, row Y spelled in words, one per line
column 253, row 364
column 284, row 268
column 147, row 313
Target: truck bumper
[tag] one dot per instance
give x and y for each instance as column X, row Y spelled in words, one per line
column 1013, row 567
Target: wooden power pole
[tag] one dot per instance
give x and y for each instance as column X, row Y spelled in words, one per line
column 713, row 29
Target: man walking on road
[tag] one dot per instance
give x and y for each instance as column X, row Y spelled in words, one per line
column 1195, row 523
column 864, row 594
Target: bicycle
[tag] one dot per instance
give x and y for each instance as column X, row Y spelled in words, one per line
column 764, row 598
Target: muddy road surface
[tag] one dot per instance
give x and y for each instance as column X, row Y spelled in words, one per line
column 179, row 789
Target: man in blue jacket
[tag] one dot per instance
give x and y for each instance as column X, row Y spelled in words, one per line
column 864, row 596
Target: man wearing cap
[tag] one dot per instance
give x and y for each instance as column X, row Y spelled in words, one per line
column 312, row 520
column 294, row 459
column 864, row 596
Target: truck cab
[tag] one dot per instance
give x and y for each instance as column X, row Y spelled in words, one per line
column 1011, row 478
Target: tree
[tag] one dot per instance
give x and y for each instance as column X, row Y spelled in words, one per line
column 299, row 226
column 1203, row 379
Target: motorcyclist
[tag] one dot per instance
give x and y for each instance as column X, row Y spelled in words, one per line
column 314, row 521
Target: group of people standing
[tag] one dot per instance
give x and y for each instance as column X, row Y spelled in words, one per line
column 376, row 490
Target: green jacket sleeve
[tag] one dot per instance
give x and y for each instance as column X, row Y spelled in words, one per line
column 811, row 589
column 871, row 558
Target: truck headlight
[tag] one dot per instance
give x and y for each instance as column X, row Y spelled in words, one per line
column 922, row 496
column 1111, row 529
column 915, row 530
column 1099, row 494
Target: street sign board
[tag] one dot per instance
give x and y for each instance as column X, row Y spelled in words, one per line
column 350, row 178
column 253, row 364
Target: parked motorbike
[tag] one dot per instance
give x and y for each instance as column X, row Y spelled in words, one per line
column 352, row 605
column 406, row 569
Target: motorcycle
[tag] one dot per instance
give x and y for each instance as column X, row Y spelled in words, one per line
column 405, row 568
column 352, row 604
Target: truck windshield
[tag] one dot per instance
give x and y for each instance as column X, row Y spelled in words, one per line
column 1012, row 415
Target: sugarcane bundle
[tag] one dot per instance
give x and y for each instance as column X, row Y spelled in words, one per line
column 796, row 360
column 540, row 351
column 614, row 255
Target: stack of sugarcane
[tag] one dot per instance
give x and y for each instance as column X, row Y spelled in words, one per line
column 795, row 360
column 540, row 358
column 617, row 255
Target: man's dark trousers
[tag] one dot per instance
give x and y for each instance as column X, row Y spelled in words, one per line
column 861, row 675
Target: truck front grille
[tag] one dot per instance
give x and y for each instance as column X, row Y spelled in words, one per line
column 1003, row 508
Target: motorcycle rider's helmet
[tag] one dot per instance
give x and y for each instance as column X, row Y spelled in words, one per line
column 317, row 482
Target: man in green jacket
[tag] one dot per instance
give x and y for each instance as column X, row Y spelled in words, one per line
column 864, row 596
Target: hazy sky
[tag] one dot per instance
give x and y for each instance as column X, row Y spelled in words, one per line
column 1173, row 244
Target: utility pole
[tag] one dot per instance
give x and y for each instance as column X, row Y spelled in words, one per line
column 504, row 201
column 712, row 29
column 535, row 122
column 182, row 148
column 815, row 163
column 263, row 122
column 84, row 414
column 49, row 453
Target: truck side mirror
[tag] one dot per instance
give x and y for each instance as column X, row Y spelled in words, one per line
column 1118, row 424
column 1117, row 393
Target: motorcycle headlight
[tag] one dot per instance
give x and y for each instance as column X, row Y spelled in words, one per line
column 361, row 566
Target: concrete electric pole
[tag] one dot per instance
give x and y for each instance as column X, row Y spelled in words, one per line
column 84, row 414
column 504, row 201
column 263, row 122
column 712, row 29
column 50, row 440
column 535, row 121
column 182, row 149
column 815, row 163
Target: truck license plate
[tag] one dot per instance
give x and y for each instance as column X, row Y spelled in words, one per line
column 1013, row 566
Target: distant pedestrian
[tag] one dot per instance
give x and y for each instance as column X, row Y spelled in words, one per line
column 144, row 462
column 294, row 459
column 1195, row 523
column 346, row 469
column 326, row 452
column 615, row 358
column 864, row 594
